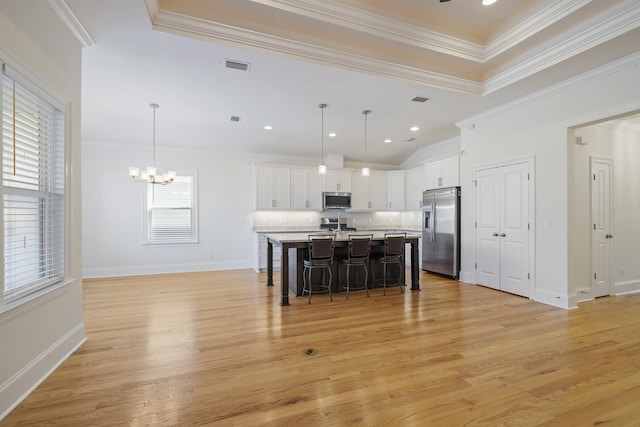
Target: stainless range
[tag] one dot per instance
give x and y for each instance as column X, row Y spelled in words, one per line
column 331, row 224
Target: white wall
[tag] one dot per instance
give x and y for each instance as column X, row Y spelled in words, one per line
column 38, row 335
column 622, row 146
column 538, row 126
column 113, row 203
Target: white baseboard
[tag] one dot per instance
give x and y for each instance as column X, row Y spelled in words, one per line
column 583, row 294
column 555, row 299
column 468, row 277
column 23, row 382
column 92, row 273
column 627, row 287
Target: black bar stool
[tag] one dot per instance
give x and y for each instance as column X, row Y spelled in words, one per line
column 358, row 252
column 393, row 255
column 320, row 257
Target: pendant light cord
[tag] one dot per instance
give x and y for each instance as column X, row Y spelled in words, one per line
column 154, row 106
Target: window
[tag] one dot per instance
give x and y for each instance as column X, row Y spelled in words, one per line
column 170, row 211
column 33, row 165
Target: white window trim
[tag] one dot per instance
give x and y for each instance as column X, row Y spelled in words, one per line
column 41, row 87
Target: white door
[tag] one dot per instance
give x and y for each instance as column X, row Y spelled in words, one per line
column 487, row 228
column 601, row 220
column 502, row 228
column 514, row 230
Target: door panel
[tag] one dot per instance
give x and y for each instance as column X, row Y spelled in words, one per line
column 487, row 227
column 488, row 261
column 514, row 230
column 601, row 220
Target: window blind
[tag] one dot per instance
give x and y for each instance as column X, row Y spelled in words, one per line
column 32, row 190
column 170, row 212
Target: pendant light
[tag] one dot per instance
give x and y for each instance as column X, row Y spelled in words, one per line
column 365, row 169
column 150, row 174
column 322, row 169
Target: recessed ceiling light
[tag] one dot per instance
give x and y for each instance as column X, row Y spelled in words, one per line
column 267, row 127
column 488, row 2
column 414, row 128
column 332, row 135
column 387, row 141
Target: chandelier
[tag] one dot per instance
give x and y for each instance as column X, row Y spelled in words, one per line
column 150, row 174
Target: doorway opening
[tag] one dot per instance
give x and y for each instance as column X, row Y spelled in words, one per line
column 603, row 207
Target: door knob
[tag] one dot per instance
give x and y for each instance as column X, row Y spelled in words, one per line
column 502, row 235
column 495, row 234
column 608, row 236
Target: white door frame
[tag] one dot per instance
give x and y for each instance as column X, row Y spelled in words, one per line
column 609, row 273
column 530, row 160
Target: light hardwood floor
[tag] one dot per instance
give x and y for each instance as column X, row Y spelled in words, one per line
column 215, row 348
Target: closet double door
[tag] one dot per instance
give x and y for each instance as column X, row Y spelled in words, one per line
column 502, row 228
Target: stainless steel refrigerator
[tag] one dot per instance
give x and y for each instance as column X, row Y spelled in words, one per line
column 441, row 231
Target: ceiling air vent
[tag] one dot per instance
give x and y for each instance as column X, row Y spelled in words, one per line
column 236, row 65
column 419, row 99
column 235, row 118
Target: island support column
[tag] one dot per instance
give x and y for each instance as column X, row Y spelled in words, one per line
column 415, row 265
column 269, row 263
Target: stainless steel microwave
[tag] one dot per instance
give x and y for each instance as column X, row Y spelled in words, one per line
column 336, row 200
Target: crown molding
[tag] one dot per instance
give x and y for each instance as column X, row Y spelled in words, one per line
column 628, row 61
column 336, row 13
column 613, row 22
column 532, row 26
column 211, row 31
column 64, row 12
column 617, row 21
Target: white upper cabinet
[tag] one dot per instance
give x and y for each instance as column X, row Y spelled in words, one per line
column 415, row 186
column 337, row 181
column 306, row 189
column 273, row 187
column 443, row 173
column 396, row 190
column 369, row 192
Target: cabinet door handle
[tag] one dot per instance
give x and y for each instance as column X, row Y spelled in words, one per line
column 369, row 205
column 273, row 203
column 389, row 205
column 306, row 204
column 338, row 187
column 495, row 234
column 502, row 235
column 440, row 182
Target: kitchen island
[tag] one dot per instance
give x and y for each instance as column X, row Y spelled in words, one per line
column 291, row 261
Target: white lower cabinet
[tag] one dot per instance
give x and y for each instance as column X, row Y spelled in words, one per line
column 260, row 246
